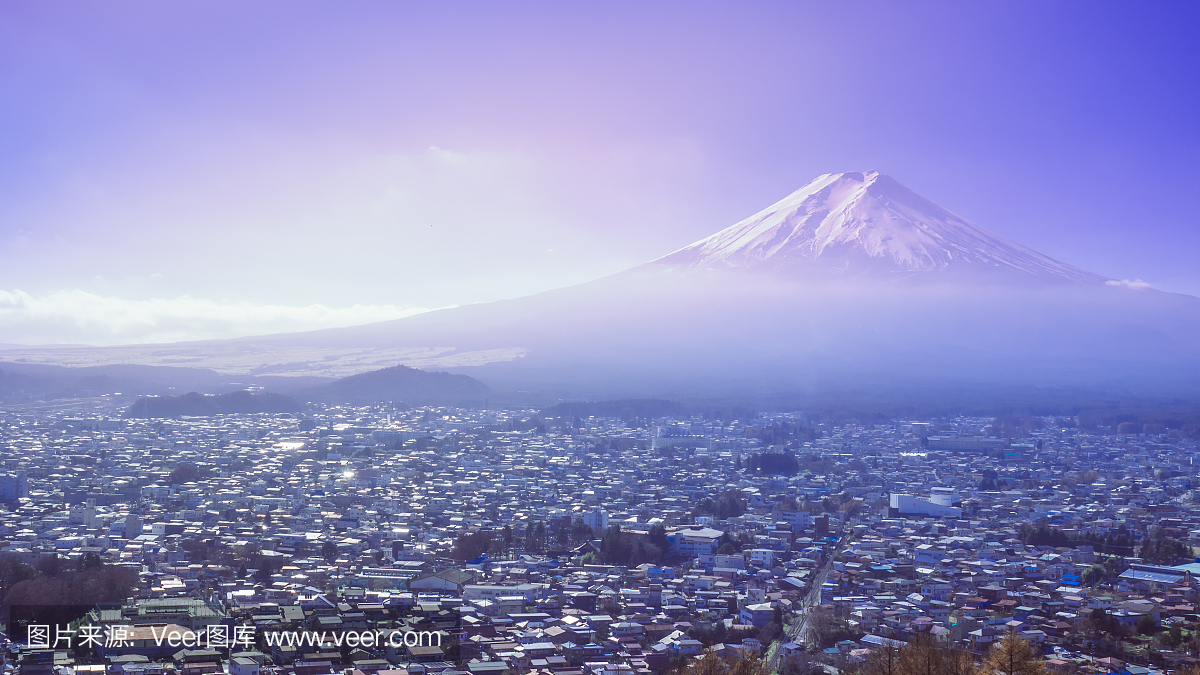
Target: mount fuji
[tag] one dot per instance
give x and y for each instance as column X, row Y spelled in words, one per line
column 853, row 283
column 866, row 224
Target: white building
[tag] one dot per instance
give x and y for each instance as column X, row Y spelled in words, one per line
column 596, row 519
column 695, row 542
column 14, row 486
column 902, row 504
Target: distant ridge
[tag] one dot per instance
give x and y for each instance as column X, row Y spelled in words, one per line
column 398, row 384
column 401, row 384
column 32, row 380
column 195, row 404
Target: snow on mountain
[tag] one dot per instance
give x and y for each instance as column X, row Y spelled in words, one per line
column 864, row 223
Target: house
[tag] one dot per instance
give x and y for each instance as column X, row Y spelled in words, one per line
column 242, row 665
column 451, row 580
column 757, row 614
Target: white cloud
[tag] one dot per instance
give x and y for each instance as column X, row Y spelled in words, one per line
column 1136, row 284
column 81, row 317
column 297, row 219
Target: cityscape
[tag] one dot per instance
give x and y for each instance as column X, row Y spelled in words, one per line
column 792, row 337
column 543, row 542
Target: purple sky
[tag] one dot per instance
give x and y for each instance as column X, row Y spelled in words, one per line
column 188, row 170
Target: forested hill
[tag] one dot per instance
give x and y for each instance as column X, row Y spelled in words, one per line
column 401, row 384
column 194, row 404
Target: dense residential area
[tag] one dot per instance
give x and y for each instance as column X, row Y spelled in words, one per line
column 392, row 541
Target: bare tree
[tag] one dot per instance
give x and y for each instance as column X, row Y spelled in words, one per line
column 1013, row 656
column 800, row 664
column 923, row 656
column 884, row 660
column 710, row 663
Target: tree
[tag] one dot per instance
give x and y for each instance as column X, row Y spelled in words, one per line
column 773, row 463
column 536, row 537
column 1158, row 548
column 329, row 551
column 470, row 546
column 49, row 566
column 90, row 561
column 12, row 572
column 1193, row 644
column 710, row 663
column 263, row 574
column 614, row 547
column 1013, row 656
column 106, row 583
column 924, row 655
column 731, row 505
column 1093, row 575
column 658, row 536
column 1146, row 625
column 580, row 532
column 800, row 664
column 196, row 549
column 1173, row 637
column 506, row 536
column 823, row 625
column 960, row 662
column 727, row 545
column 186, row 472
column 921, row 656
column 1099, row 623
column 884, row 660
column 630, row 549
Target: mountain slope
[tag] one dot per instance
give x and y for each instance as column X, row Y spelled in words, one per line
column 865, row 223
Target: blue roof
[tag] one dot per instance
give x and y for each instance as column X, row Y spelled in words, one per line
column 879, row 640
column 1161, row 575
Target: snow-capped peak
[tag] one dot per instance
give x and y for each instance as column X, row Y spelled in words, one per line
column 864, row 223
